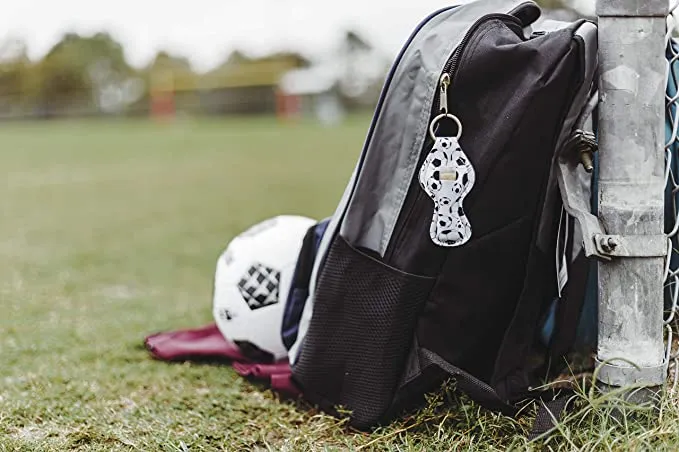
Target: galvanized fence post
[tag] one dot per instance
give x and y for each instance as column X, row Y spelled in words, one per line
column 631, row 183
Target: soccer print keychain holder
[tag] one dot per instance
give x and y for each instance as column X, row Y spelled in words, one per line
column 447, row 176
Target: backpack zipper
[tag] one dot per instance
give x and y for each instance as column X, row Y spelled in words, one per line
column 446, row 79
column 451, row 66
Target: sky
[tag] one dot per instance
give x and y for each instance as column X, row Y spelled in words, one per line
column 206, row 31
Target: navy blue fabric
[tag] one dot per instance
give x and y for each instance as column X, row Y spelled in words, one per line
column 299, row 289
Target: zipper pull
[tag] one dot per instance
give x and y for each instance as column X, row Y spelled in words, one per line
column 444, row 82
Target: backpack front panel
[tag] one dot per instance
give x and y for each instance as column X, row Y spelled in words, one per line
column 512, row 95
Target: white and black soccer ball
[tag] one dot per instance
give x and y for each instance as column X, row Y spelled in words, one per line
column 252, row 281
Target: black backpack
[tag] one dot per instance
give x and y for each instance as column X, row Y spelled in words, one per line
column 440, row 258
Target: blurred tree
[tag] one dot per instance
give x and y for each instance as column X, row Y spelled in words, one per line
column 15, row 77
column 82, row 72
column 168, row 72
column 163, row 77
column 354, row 53
column 165, row 61
column 362, row 70
column 235, row 58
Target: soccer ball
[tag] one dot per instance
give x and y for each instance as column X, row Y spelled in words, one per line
column 252, row 281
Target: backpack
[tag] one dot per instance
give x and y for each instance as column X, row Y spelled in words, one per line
column 439, row 260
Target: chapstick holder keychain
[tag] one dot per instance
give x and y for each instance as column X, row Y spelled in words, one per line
column 447, row 176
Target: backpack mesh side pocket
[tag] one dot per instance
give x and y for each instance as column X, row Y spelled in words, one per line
column 360, row 333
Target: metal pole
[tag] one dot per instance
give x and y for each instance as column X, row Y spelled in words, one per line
column 631, row 183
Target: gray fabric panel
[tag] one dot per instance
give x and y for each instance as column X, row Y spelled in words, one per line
column 402, row 125
column 588, row 32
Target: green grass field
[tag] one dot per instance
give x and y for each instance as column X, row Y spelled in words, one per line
column 110, row 231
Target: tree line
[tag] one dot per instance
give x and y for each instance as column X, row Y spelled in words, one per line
column 89, row 75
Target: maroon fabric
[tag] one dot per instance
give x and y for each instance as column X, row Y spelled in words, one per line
column 208, row 344
column 277, row 374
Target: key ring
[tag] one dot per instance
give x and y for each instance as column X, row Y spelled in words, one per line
column 449, row 116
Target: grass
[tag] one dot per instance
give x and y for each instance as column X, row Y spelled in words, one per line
column 110, row 232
